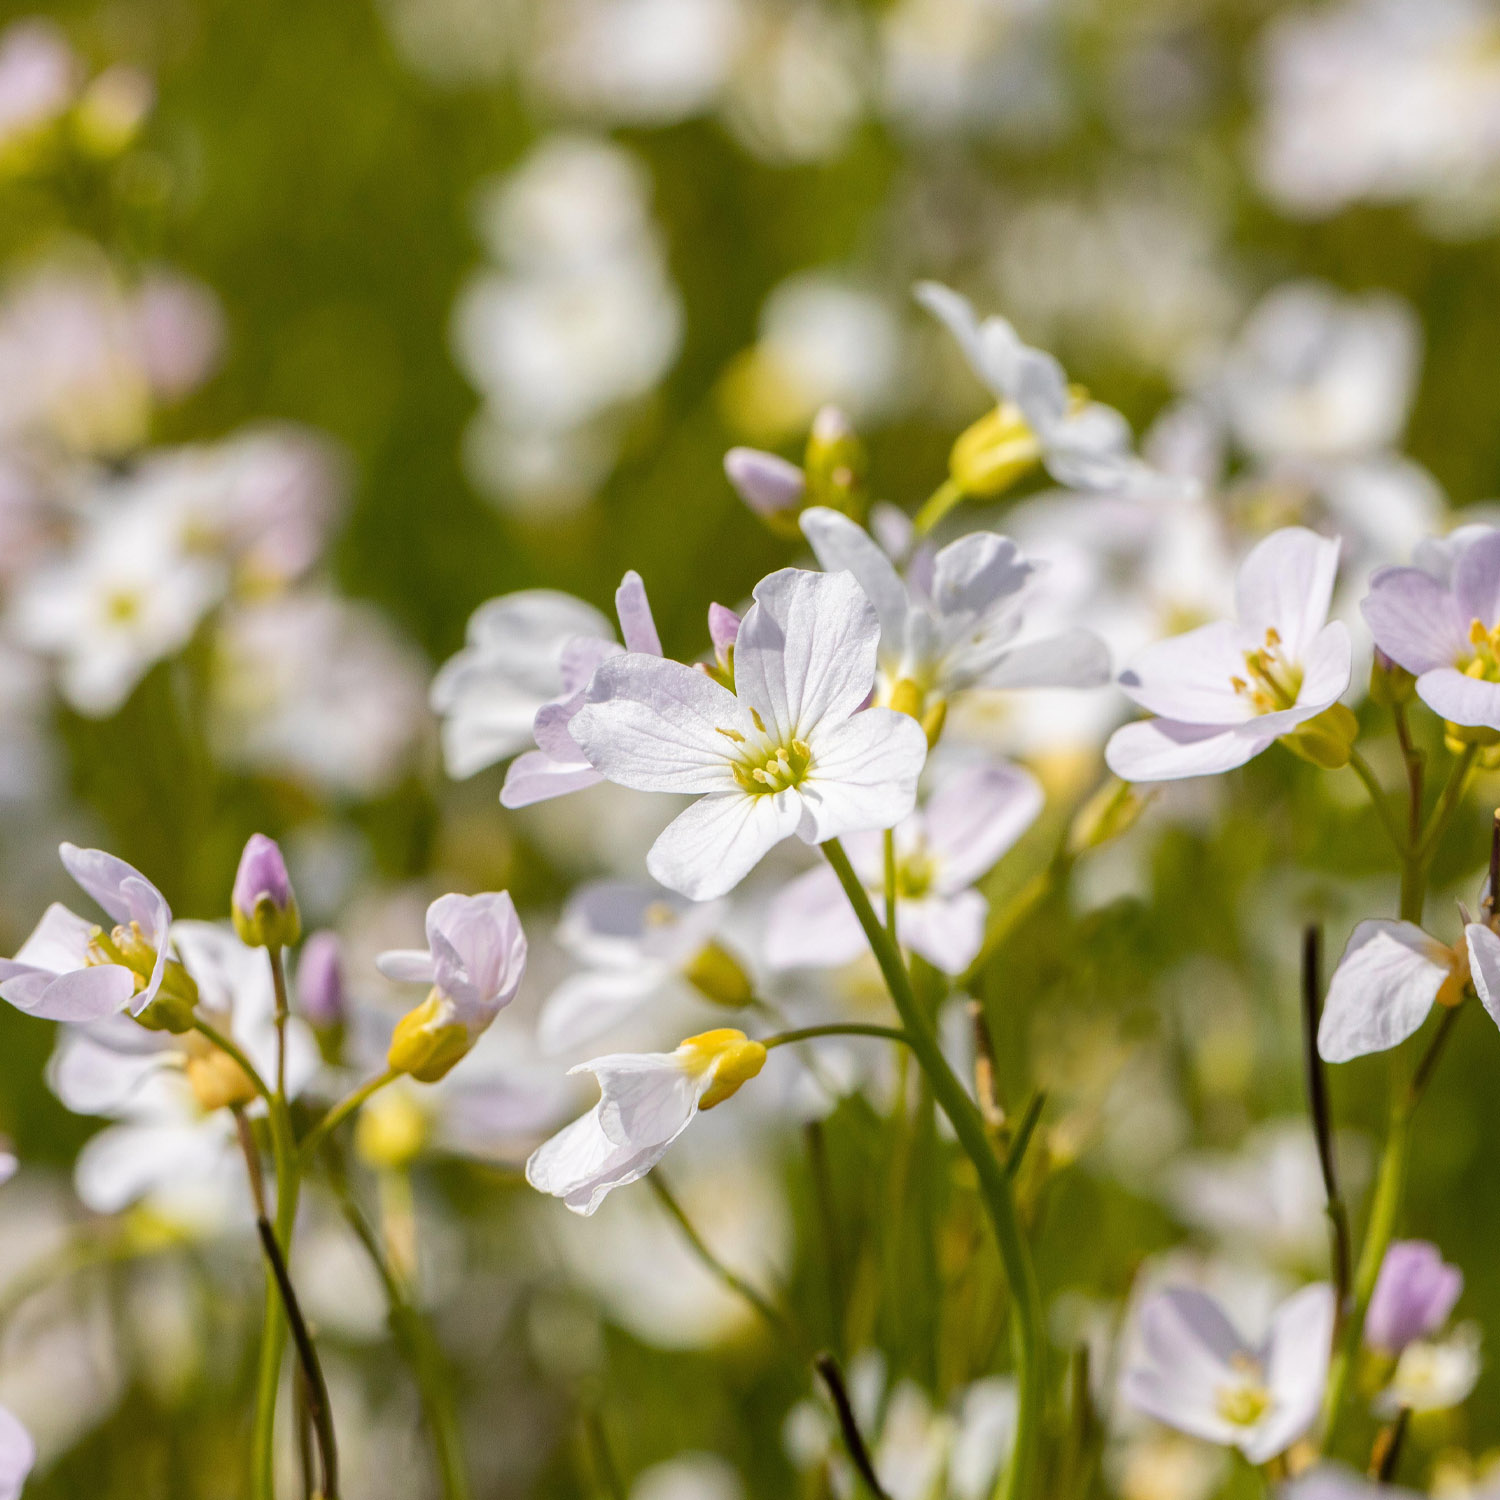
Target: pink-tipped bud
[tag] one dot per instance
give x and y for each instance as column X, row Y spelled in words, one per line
column 1413, row 1295
column 320, row 981
column 263, row 905
column 769, row 485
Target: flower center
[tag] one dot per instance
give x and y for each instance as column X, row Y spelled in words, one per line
column 915, row 873
column 1485, row 663
column 1247, row 1401
column 1271, row 682
column 776, row 768
column 126, row 948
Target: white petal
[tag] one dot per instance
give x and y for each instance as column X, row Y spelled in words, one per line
column 948, row 931
column 586, row 1005
column 80, row 996
column 17, row 1455
column 1415, row 620
column 122, row 1164
column 406, row 965
column 810, row 924
column 1484, row 967
column 119, row 888
column 1382, row 990
column 842, row 546
column 706, row 851
column 864, row 774
column 1461, row 699
column 537, row 777
column 636, row 625
column 978, row 572
column 1299, row 1347
column 581, row 1165
column 974, row 816
column 806, row 651
column 58, row 942
column 655, row 725
column 1161, row 750
column 1075, row 659
column 1285, row 585
column 1190, row 677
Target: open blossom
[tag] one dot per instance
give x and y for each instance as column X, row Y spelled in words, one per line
column 646, row 1100
column 973, row 817
column 1334, row 1482
column 70, row 969
column 955, row 622
column 1433, row 1375
column 1194, row 1371
column 1390, row 977
column 1413, row 1295
column 1226, row 692
column 17, row 1455
column 633, row 941
column 1441, row 621
column 474, row 960
column 557, row 765
column 791, row 751
column 1084, row 444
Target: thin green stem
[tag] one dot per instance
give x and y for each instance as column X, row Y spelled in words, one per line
column 341, row 1112
column 994, row 1182
column 835, row 1028
column 1447, row 803
column 937, row 505
column 1381, row 803
column 890, row 885
column 775, row 1319
column 283, row 1013
column 273, row 1340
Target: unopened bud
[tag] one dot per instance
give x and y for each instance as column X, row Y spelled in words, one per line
column 1110, row 812
column 174, row 1006
column 1390, row 683
column 770, row 485
column 263, row 904
column 994, row 452
column 734, row 1058
column 719, row 976
column 835, row 464
column 427, row 1042
column 320, row 981
column 1325, row 740
column 391, row 1130
column 723, row 631
column 217, row 1080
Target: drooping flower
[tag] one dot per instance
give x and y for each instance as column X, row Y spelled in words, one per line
column 1390, row 977
column 1194, row 1371
column 1084, row 444
column 71, row 969
column 972, row 818
column 557, row 766
column 633, row 941
column 1414, row 1294
column 646, row 1101
column 1440, row 619
column 791, row 750
column 1228, row 691
column 474, row 960
column 263, row 903
column 955, row 623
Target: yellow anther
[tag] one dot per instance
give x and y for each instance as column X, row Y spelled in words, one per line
column 756, row 719
column 907, row 697
column 1244, row 1405
column 779, row 769
column 732, row 734
column 730, row 1055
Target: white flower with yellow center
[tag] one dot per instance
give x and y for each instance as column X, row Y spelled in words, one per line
column 791, row 751
column 646, row 1100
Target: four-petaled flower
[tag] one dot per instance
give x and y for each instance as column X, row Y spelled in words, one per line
column 792, row 750
column 1226, row 692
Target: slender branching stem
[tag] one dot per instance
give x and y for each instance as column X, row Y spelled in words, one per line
column 834, row 1028
column 890, row 886
column 341, row 1112
column 937, row 505
column 231, row 1049
column 859, row 1452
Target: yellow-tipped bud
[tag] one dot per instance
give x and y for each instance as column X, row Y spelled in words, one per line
column 719, row 976
column 907, row 697
column 1110, row 812
column 391, row 1130
column 834, row 463
column 732, row 1056
column 1325, row 740
column 427, row 1042
column 993, row 453
column 217, row 1080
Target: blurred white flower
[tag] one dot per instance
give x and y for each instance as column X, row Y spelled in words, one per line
column 39, row 76
column 1433, row 1375
column 318, row 688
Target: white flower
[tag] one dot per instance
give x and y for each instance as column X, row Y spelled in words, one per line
column 557, row 766
column 954, row 624
column 1433, row 1375
column 633, row 940
column 39, row 76
column 1084, row 444
column 1228, row 691
column 474, row 960
column 1194, row 1371
column 17, row 1455
column 789, row 751
column 973, row 817
column 646, row 1101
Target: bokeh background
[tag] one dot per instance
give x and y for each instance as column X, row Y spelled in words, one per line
column 411, row 303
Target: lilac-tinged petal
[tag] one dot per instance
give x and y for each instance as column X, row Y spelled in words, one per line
column 974, row 816
column 660, row 726
column 578, row 662
column 810, row 924
column 1285, row 585
column 1460, row 699
column 1190, row 677
column 978, row 572
column 1296, row 1362
column 1334, row 1482
column 79, row 997
column 17, row 1455
column 842, row 546
column 115, row 885
column 1476, row 581
column 553, row 729
column 723, row 628
column 707, row 850
column 863, row 775
column 59, row 942
column 766, row 482
column 1484, row 967
column 262, row 873
column 479, row 953
column 1413, row 1297
column 1415, row 620
column 535, row 777
column 1076, row 658
column 1383, row 989
column 1161, row 750
column 637, row 628
column 806, row 651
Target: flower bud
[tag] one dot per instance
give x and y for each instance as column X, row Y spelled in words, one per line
column 263, row 904
column 723, row 631
column 732, row 1056
column 174, row 1006
column 427, row 1041
column 993, row 453
column 1390, row 683
column 1325, row 740
column 770, row 485
column 835, row 464
column 1110, row 812
column 113, row 109
column 391, row 1130
column 719, row 976
column 320, row 981
column 1413, row 1296
column 217, row 1080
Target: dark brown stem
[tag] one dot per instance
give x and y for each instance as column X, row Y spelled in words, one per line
column 1386, row 1453
column 859, row 1455
column 1322, row 1116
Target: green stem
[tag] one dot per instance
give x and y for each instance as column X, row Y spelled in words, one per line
column 341, row 1112
column 1381, row 803
column 225, row 1045
column 283, row 1013
column 890, row 885
column 837, row 1028
column 1448, row 802
column 994, row 1182
column 273, row 1342
column 937, row 505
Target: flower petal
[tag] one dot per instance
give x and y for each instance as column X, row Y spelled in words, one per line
column 586, row 1005
column 842, row 546
column 81, row 996
column 58, row 942
column 706, row 851
column 1484, row 967
column 1461, row 699
column 637, row 628
column 1298, row 1352
column 974, row 816
column 810, row 924
column 1382, row 991
column 1076, row 659
column 119, row 888
column 1190, row 677
column 948, row 931
column 1415, row 620
column 1162, row 750
column 863, row 775
column 406, row 965
column 1285, row 585
column 537, row 777
column 1476, row 581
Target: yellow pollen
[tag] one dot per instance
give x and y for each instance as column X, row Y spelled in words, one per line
column 759, row 723
column 122, row 607
column 1246, row 1403
column 1485, row 663
column 1274, row 682
column 777, row 769
column 732, row 734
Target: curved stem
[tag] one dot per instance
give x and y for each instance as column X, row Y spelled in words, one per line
column 1452, row 794
column 836, row 1028
column 273, row 1341
column 341, row 1112
column 232, row 1050
column 890, row 885
column 994, row 1180
column 937, row 505
column 283, row 1013
column 1379, row 800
